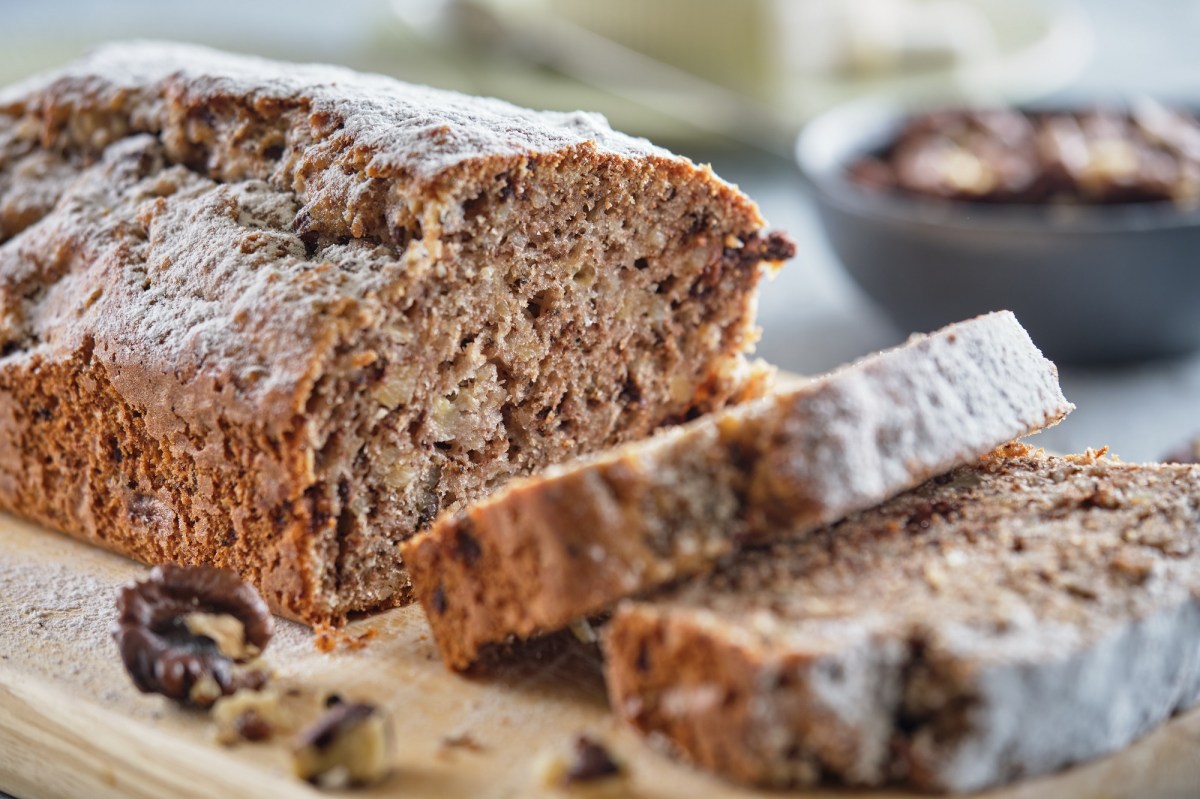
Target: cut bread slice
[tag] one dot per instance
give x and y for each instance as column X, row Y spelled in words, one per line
column 1001, row 621
column 574, row 540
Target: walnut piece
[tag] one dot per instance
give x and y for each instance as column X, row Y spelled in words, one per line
column 227, row 633
column 183, row 631
column 589, row 765
column 349, row 746
column 274, row 711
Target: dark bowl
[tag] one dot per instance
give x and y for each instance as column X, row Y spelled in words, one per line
column 1093, row 285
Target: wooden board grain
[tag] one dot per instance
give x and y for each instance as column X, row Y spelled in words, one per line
column 72, row 725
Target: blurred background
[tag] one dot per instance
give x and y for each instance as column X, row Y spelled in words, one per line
column 732, row 82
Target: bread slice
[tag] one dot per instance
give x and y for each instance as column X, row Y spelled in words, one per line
column 275, row 317
column 572, row 541
column 1001, row 621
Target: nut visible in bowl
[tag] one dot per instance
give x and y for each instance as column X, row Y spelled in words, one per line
column 1092, row 283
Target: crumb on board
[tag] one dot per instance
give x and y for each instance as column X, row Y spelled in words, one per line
column 327, row 638
column 462, row 740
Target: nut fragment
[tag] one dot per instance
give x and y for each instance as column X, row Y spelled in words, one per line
column 182, row 630
column 591, row 761
column 584, row 631
column 274, row 711
column 327, row 638
column 349, row 745
column 1078, row 157
column 588, row 764
column 227, row 633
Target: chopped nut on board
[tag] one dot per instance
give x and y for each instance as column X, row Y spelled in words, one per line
column 348, row 746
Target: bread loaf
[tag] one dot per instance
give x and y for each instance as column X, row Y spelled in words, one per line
column 276, row 317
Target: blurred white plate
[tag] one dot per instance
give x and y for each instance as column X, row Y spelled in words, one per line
column 601, row 56
column 520, row 50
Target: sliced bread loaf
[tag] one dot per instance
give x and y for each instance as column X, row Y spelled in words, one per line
column 274, row 317
column 1004, row 620
column 574, row 540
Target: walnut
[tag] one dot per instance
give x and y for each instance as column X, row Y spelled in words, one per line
column 349, row 745
column 589, row 764
column 182, row 632
column 272, row 712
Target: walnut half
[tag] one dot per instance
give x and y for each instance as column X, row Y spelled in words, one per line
column 182, row 632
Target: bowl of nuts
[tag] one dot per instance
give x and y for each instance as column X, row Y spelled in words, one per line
column 1083, row 221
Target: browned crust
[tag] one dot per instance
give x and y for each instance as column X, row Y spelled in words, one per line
column 125, row 492
column 573, row 541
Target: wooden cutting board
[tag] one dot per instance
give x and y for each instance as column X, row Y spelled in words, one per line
column 71, row 724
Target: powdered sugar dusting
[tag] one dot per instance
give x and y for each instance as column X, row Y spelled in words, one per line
column 410, row 129
column 901, row 416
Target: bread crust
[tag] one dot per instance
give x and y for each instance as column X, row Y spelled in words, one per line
column 1002, row 622
column 273, row 317
column 572, row 541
